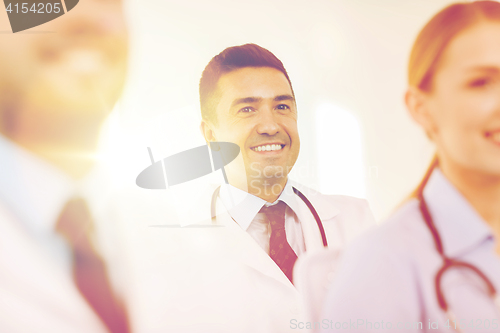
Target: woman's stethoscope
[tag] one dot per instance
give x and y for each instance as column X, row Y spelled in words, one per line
column 309, row 205
column 448, row 263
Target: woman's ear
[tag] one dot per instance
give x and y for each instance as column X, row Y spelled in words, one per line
column 418, row 104
column 207, row 131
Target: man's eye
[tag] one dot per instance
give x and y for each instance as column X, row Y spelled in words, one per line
column 480, row 82
column 247, row 109
column 283, row 107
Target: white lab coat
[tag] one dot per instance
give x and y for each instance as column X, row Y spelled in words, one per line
column 37, row 293
column 387, row 278
column 207, row 278
column 37, row 290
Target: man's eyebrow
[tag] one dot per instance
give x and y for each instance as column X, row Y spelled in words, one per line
column 246, row 100
column 484, row 69
column 284, row 98
column 249, row 100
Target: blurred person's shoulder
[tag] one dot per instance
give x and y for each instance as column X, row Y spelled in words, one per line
column 401, row 237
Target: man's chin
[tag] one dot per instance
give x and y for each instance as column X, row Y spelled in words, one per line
column 273, row 173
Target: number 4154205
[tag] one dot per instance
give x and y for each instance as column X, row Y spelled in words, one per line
column 40, row 8
column 473, row 324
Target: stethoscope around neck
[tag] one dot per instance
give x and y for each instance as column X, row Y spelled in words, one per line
column 448, row 263
column 308, row 203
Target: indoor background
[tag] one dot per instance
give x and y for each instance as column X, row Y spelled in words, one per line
column 347, row 62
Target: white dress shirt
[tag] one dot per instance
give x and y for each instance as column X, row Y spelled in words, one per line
column 34, row 192
column 37, row 291
column 246, row 214
column 388, row 274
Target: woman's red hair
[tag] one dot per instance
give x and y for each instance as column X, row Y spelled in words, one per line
column 432, row 41
column 438, row 33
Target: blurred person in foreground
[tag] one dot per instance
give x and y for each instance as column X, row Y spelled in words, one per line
column 434, row 265
column 57, row 86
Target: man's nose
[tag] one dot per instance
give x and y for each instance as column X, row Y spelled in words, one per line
column 268, row 123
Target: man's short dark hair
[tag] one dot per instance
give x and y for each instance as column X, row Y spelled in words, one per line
column 232, row 58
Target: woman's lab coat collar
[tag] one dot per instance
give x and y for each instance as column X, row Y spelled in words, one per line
column 460, row 226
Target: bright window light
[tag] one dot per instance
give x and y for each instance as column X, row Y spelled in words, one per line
column 340, row 152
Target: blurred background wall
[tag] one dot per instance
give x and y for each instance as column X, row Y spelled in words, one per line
column 347, row 62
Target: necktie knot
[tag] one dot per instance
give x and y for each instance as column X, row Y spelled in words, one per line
column 276, row 215
column 75, row 223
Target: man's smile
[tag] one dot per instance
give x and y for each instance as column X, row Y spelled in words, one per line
column 268, row 147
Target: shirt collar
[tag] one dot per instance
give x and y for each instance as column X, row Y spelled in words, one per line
column 460, row 227
column 32, row 188
column 243, row 206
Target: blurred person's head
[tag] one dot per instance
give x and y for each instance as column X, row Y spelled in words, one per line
column 247, row 98
column 60, row 81
column 454, row 86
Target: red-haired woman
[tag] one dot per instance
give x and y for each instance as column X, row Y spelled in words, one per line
column 435, row 264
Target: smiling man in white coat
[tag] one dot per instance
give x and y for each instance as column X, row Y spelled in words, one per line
column 234, row 272
column 247, row 98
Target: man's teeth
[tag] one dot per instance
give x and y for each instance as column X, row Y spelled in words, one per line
column 268, row 148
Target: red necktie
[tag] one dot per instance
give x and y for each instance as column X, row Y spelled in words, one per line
column 279, row 249
column 89, row 270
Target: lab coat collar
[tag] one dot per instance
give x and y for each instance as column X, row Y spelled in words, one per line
column 243, row 206
column 326, row 210
column 460, row 227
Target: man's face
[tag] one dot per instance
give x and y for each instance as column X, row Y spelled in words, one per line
column 257, row 111
column 74, row 65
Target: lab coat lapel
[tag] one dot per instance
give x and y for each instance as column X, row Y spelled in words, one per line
column 248, row 252
column 310, row 228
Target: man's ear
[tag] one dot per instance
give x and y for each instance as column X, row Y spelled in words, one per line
column 417, row 102
column 207, row 131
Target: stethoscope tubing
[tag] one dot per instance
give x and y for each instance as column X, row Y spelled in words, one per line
column 448, row 262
